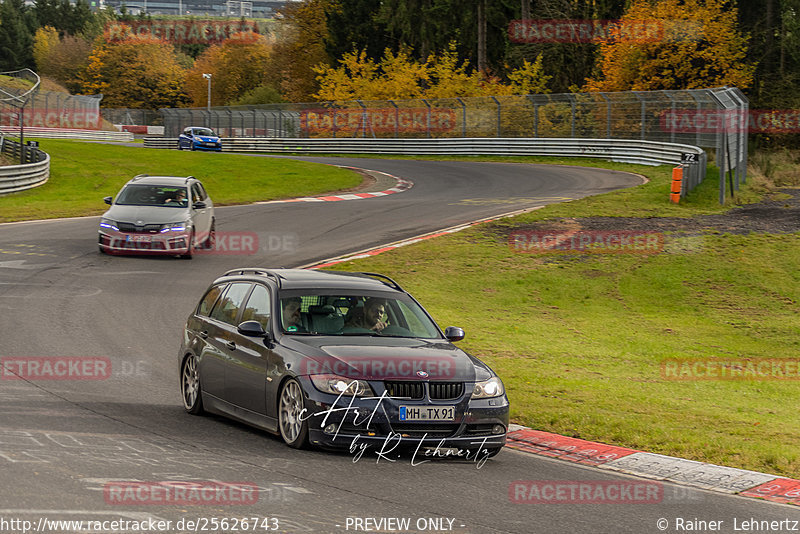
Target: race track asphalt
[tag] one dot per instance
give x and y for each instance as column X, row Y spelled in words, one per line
column 62, row 442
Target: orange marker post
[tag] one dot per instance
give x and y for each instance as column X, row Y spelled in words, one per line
column 677, row 179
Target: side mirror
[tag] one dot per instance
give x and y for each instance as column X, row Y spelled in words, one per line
column 251, row 329
column 108, row 200
column 199, row 205
column 454, row 333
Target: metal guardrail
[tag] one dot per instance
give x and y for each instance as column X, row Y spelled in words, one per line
column 67, row 133
column 621, row 150
column 15, row 178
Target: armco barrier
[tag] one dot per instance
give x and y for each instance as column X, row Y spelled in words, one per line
column 68, row 133
column 621, row 150
column 15, row 178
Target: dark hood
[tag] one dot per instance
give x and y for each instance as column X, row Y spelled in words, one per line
column 374, row 358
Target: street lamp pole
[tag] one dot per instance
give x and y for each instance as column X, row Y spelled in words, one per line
column 208, row 105
column 208, row 77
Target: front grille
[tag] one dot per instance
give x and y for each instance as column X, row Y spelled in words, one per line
column 433, row 430
column 131, row 228
column 446, row 390
column 133, row 245
column 405, row 389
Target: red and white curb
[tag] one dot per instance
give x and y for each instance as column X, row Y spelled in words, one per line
column 656, row 466
column 423, row 237
column 400, row 186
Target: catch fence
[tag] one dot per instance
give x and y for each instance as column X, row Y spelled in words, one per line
column 714, row 119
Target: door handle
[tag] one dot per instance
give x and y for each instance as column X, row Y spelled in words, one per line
column 203, row 334
column 231, row 345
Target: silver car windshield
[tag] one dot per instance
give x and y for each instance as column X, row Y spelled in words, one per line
column 153, row 195
column 355, row 315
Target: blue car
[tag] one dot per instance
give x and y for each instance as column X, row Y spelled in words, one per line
column 199, row 138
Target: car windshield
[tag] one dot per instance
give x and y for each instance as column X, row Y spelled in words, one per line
column 153, row 195
column 203, row 131
column 346, row 314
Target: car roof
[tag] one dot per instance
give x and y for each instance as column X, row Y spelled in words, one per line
column 162, row 180
column 316, row 279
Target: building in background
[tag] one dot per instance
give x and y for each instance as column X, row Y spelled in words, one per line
column 212, row 8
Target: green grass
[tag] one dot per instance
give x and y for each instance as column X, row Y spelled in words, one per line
column 579, row 338
column 81, row 174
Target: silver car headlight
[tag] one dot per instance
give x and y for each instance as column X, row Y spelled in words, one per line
column 108, row 223
column 488, row 388
column 174, row 227
column 340, row 385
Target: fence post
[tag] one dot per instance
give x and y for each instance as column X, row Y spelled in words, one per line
column 396, row 119
column 428, row 126
column 499, row 134
column 463, row 117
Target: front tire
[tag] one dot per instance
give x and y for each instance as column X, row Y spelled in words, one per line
column 294, row 429
column 188, row 254
column 211, row 240
column 190, row 386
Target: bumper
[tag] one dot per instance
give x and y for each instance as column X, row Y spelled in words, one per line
column 348, row 423
column 202, row 146
column 122, row 243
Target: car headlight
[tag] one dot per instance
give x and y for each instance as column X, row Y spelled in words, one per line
column 340, row 385
column 488, row 388
column 174, row 227
column 108, row 223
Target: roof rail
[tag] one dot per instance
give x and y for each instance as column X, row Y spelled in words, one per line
column 254, row 270
column 190, row 177
column 385, row 279
column 139, row 176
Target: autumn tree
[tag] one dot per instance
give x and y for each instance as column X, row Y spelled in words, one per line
column 303, row 33
column 63, row 59
column 399, row 76
column 44, row 41
column 139, row 72
column 695, row 45
column 237, row 66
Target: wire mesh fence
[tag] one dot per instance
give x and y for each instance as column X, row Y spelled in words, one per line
column 49, row 109
column 714, row 119
column 133, row 117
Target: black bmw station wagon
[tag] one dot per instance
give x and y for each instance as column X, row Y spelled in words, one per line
column 337, row 360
